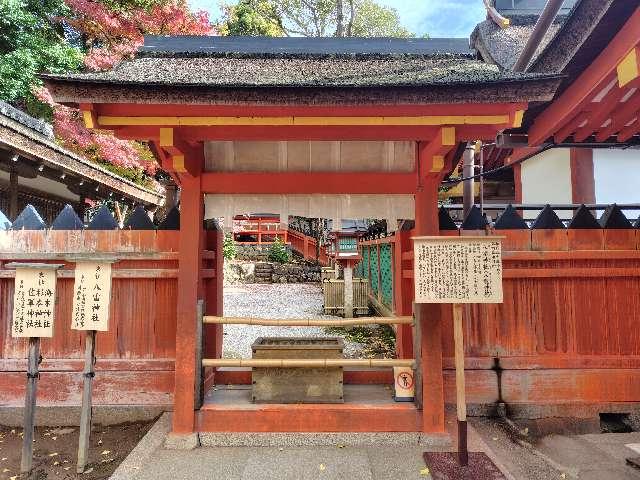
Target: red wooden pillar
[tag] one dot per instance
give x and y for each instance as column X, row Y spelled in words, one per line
column 426, row 205
column 214, row 295
column 189, row 291
column 401, row 293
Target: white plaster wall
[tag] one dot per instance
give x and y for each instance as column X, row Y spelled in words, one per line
column 546, row 178
column 617, row 177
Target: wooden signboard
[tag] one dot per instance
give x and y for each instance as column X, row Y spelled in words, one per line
column 457, row 270
column 34, row 300
column 34, row 304
column 91, row 299
column 91, row 296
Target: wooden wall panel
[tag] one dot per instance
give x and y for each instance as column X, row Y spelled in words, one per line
column 142, row 324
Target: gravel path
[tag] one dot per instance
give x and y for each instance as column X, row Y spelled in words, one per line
column 289, row 300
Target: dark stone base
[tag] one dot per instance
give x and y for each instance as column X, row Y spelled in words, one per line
column 445, row 466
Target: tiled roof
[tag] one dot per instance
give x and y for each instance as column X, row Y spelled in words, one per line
column 27, row 120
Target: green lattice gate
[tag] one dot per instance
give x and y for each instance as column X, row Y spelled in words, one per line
column 386, row 275
column 373, row 262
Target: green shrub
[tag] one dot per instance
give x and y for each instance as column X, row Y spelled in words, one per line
column 229, row 247
column 278, row 252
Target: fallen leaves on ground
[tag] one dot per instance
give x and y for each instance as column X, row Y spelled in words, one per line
column 425, row 471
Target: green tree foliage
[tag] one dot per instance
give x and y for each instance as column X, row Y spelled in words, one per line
column 32, row 41
column 229, row 247
column 312, row 18
column 252, row 17
column 373, row 20
column 278, row 252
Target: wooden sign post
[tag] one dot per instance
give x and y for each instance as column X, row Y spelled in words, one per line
column 34, row 302
column 458, row 270
column 91, row 298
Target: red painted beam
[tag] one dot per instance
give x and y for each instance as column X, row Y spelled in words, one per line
column 630, row 130
column 315, row 182
column 625, row 113
column 601, row 113
column 588, row 84
column 315, row 133
column 373, row 417
column 144, row 110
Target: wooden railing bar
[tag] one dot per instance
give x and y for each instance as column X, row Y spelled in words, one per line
column 308, row 363
column 305, row 322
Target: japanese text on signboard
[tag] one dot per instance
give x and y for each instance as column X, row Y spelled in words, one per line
column 34, row 302
column 91, row 296
column 457, row 270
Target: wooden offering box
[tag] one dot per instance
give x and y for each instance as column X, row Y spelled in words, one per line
column 298, row 384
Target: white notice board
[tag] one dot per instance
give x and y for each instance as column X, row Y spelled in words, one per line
column 34, row 300
column 91, row 296
column 457, row 269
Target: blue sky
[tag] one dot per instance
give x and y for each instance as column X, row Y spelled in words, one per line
column 438, row 18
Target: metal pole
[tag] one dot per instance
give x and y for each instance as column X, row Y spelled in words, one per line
column 33, row 360
column 542, row 26
column 85, row 417
column 467, row 171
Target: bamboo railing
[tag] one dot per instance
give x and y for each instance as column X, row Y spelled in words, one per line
column 308, row 363
column 305, row 322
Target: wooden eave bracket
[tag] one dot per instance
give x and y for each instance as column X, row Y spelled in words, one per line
column 432, row 155
column 89, row 116
column 181, row 157
column 619, row 59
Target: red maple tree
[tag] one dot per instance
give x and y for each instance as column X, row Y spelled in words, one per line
column 111, row 35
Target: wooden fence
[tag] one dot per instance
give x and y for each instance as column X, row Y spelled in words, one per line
column 306, row 246
column 567, row 332
column 333, row 291
column 135, row 358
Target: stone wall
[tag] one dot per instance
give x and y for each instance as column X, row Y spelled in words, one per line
column 238, row 271
column 245, row 251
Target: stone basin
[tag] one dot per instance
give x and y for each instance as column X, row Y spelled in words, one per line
column 297, row 385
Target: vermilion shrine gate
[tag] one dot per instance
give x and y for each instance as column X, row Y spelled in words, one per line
column 331, row 128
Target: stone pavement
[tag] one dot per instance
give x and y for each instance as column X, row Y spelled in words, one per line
column 583, row 457
column 150, row 461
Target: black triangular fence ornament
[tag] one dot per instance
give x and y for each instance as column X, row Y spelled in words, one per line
column 103, row 220
column 67, row 219
column 547, row 219
column 211, row 224
column 583, row 219
column 29, row 219
column 510, row 220
column 5, row 223
column 475, row 220
column 139, row 220
column 445, row 221
column 171, row 221
column 613, row 218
